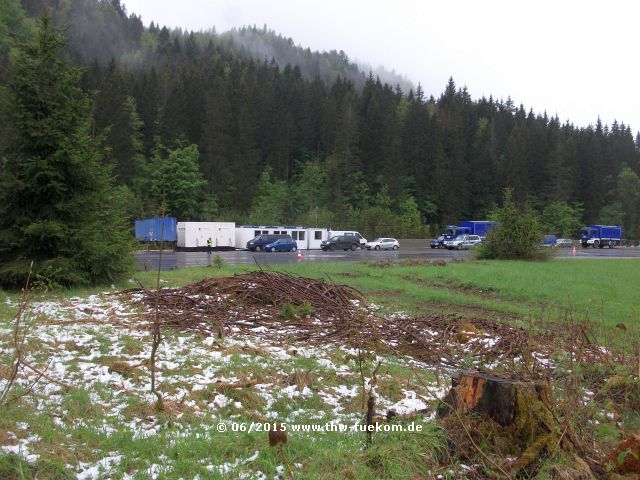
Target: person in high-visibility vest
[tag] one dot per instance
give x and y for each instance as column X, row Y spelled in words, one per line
column 209, row 245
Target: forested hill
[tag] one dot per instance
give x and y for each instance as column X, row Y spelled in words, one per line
column 264, row 43
column 222, row 132
column 103, row 30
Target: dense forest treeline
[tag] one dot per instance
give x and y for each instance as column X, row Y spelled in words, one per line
column 207, row 123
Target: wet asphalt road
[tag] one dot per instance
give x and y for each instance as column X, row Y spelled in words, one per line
column 410, row 249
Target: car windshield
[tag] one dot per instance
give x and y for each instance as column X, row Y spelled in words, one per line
column 334, row 239
column 378, row 240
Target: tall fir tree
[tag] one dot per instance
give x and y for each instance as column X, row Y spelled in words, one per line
column 57, row 205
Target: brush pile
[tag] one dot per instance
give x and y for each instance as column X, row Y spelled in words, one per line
column 286, row 306
column 289, row 308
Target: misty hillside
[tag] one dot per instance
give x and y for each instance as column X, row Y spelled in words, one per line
column 267, row 44
column 101, row 30
column 223, row 126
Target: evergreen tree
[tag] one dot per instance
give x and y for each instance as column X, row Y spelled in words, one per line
column 410, row 221
column 629, row 197
column 271, row 201
column 561, row 218
column 177, row 183
column 517, row 235
column 57, row 205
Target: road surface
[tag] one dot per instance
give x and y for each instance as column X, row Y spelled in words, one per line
column 410, row 249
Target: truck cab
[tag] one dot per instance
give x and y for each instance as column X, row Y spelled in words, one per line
column 452, row 231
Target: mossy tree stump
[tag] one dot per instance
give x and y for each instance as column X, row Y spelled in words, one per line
column 520, row 408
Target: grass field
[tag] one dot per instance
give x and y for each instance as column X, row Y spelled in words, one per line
column 103, row 425
column 597, row 290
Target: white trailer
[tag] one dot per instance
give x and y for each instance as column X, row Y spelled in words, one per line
column 195, row 235
column 315, row 237
column 244, row 233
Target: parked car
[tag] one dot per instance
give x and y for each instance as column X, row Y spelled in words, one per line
column 282, row 245
column 437, row 242
column 261, row 241
column 564, row 243
column 383, row 243
column 549, row 241
column 469, row 242
column 344, row 242
column 360, row 239
column 462, row 242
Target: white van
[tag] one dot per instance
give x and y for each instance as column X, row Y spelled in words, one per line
column 361, row 239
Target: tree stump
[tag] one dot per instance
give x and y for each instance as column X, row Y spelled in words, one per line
column 492, row 396
column 520, row 408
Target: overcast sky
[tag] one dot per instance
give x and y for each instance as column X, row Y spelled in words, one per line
column 578, row 59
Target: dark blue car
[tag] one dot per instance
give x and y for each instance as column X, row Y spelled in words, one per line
column 282, row 245
column 437, row 242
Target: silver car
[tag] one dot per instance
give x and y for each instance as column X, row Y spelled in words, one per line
column 383, row 244
column 564, row 242
column 469, row 242
column 462, row 242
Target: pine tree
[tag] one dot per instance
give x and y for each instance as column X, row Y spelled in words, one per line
column 175, row 180
column 57, row 205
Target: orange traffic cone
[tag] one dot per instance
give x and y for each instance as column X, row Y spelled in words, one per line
column 299, row 256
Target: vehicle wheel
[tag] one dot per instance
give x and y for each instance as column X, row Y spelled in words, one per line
column 596, row 244
column 293, row 249
column 258, row 248
column 377, row 247
column 332, row 248
column 432, row 246
column 611, row 243
column 354, row 247
column 459, row 247
column 395, row 247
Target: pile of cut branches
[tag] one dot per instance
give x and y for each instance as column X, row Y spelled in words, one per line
column 286, row 305
column 289, row 308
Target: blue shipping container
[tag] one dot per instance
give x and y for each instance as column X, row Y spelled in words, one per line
column 476, row 228
column 156, row 229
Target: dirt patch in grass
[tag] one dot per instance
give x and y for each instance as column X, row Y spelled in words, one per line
column 5, row 372
column 252, row 350
column 301, row 378
column 6, row 439
column 467, row 311
column 488, row 293
column 126, row 369
column 71, row 346
column 248, row 397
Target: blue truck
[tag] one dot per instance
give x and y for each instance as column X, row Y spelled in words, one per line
column 156, row 229
column 599, row 236
column 467, row 227
column 480, row 228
